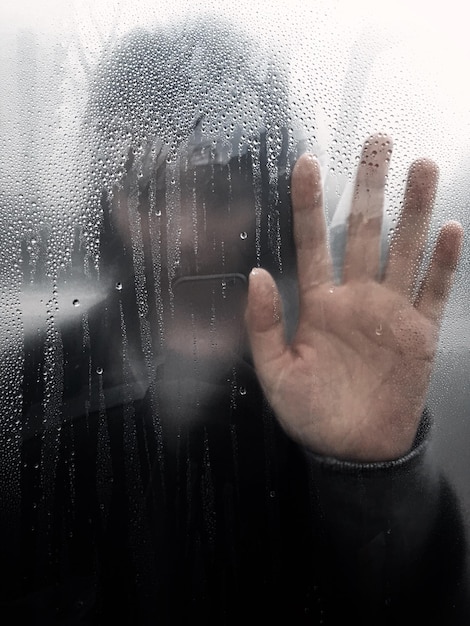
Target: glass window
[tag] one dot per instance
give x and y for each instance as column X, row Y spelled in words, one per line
column 179, row 438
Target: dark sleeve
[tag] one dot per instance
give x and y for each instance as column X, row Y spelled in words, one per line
column 391, row 539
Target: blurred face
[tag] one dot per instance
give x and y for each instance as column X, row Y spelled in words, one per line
column 203, row 228
column 215, row 227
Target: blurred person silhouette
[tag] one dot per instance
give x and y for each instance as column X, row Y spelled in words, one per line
column 248, row 444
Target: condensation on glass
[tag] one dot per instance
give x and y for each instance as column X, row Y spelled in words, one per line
column 108, row 202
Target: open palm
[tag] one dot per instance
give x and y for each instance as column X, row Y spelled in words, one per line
column 352, row 382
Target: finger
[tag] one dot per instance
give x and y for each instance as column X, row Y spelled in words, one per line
column 409, row 240
column 362, row 254
column 264, row 319
column 435, row 289
column 310, row 234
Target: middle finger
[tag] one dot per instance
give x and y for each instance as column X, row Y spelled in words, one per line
column 362, row 254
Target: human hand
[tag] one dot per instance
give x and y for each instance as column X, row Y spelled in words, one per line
column 353, row 381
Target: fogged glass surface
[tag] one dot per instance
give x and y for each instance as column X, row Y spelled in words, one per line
column 146, row 160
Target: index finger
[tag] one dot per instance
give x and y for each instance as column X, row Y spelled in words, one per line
column 314, row 265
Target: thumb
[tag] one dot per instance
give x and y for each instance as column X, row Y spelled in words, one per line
column 264, row 319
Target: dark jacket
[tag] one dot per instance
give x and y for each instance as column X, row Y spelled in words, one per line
column 165, row 511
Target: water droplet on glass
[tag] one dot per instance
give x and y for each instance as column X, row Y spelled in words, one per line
column 243, row 235
column 76, row 302
column 119, row 286
column 242, row 391
column 379, row 330
column 99, row 370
